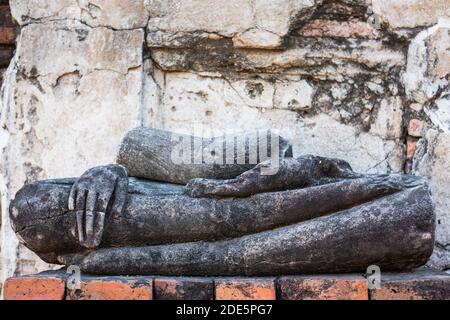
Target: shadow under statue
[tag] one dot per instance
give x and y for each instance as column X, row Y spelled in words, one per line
column 150, row 216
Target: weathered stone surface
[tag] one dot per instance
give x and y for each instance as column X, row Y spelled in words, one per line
column 411, row 13
column 426, row 84
column 326, row 287
column 245, row 289
column 432, row 162
column 108, row 13
column 75, row 48
column 151, row 154
column 426, row 71
column 301, row 58
column 388, row 123
column 421, row 285
column 36, row 10
column 34, row 288
column 294, row 95
column 117, row 14
column 112, row 288
column 249, row 23
column 416, row 128
column 184, row 289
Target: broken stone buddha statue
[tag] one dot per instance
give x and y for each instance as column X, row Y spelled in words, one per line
column 150, row 215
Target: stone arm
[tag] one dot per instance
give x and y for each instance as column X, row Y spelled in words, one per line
column 290, row 173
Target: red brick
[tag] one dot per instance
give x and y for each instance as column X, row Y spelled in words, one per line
column 416, row 128
column 8, row 36
column 245, row 289
column 339, row 29
column 6, row 19
column 184, row 289
column 34, row 288
column 413, row 286
column 411, row 146
column 326, row 287
column 113, row 288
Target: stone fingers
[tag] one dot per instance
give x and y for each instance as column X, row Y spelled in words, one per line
column 72, row 198
column 80, row 229
column 90, row 207
column 90, row 213
column 120, row 196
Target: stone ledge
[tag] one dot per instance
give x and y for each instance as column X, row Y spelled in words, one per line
column 168, row 288
column 424, row 285
column 112, row 288
column 417, row 286
column 38, row 287
column 326, row 287
column 245, row 289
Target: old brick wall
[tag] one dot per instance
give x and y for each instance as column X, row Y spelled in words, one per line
column 7, row 36
column 53, row 286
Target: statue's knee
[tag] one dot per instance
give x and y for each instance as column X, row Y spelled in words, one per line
column 40, row 218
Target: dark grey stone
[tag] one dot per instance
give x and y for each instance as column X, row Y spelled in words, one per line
column 314, row 215
column 147, row 153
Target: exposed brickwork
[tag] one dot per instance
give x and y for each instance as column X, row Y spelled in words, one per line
column 245, row 289
column 339, row 29
column 35, row 288
column 8, row 34
column 184, row 289
column 411, row 147
column 52, row 286
column 329, row 287
column 421, row 286
column 416, row 128
column 113, row 288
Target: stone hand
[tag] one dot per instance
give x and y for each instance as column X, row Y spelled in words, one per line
column 100, row 191
column 292, row 173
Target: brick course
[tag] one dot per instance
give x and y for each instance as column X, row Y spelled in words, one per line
column 184, row 288
column 51, row 286
column 245, row 289
column 35, row 288
column 420, row 286
column 8, row 34
column 328, row 287
column 113, row 288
